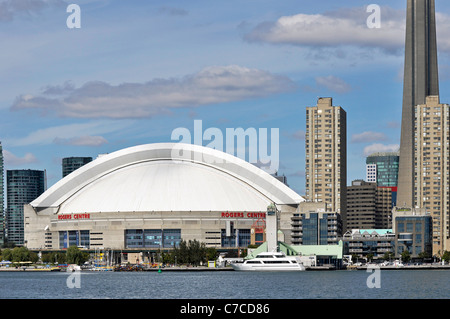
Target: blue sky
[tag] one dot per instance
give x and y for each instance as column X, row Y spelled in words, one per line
column 136, row 70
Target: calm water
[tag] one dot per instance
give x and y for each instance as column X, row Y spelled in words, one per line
column 399, row 284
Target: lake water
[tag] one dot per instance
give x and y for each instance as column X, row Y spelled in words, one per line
column 393, row 284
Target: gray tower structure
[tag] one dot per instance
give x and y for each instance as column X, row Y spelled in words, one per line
column 420, row 80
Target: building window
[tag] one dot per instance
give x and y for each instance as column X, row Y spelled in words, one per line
column 79, row 238
column 152, row 238
column 134, row 238
column 243, row 237
column 409, row 227
column 172, row 237
column 310, row 229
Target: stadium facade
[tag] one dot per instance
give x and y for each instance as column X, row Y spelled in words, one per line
column 152, row 196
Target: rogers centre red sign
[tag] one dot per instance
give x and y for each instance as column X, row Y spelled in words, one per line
column 74, row 216
column 243, row 215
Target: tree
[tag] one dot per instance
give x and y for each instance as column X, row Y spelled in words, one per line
column 59, row 258
column 183, row 253
column 47, row 258
column 20, row 254
column 34, row 258
column 406, row 256
column 424, row 255
column 192, row 252
column 7, row 254
column 75, row 256
column 388, row 255
column 446, row 256
column 197, row 252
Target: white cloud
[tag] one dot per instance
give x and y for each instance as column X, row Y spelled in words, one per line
column 212, row 85
column 10, row 9
column 380, row 148
column 299, row 135
column 333, row 83
column 345, row 27
column 69, row 133
column 368, row 137
column 13, row 160
column 172, row 11
column 342, row 27
column 82, row 141
column 393, row 124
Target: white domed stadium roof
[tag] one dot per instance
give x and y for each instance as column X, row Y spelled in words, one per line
column 160, row 177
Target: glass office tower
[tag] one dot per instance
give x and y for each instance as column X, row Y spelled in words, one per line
column 23, row 186
column 313, row 225
column 382, row 169
column 69, row 164
column 385, row 167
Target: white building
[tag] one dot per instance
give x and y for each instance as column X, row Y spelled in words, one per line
column 152, row 196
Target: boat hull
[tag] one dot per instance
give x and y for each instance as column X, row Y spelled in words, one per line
column 253, row 267
column 270, row 261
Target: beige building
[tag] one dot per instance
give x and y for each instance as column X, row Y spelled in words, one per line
column 431, row 154
column 326, row 155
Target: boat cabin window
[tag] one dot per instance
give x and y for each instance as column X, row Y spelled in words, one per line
column 253, row 262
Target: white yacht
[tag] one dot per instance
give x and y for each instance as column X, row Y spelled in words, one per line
column 270, row 261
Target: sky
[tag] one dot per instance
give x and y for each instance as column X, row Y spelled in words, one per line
column 137, row 70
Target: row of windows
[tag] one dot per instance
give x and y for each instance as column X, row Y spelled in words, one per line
column 74, row 238
column 152, row 238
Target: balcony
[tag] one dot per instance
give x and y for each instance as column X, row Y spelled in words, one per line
column 384, row 245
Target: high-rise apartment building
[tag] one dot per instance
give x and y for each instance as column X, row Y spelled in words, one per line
column 431, row 176
column 69, row 164
column 326, row 155
column 2, row 199
column 23, row 186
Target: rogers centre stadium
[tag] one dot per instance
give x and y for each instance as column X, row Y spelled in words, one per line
column 150, row 197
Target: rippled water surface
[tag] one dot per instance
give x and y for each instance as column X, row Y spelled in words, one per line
column 399, row 284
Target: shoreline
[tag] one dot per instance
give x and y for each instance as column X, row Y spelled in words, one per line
column 220, row 269
column 404, row 267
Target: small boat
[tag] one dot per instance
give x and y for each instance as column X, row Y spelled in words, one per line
column 270, row 261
